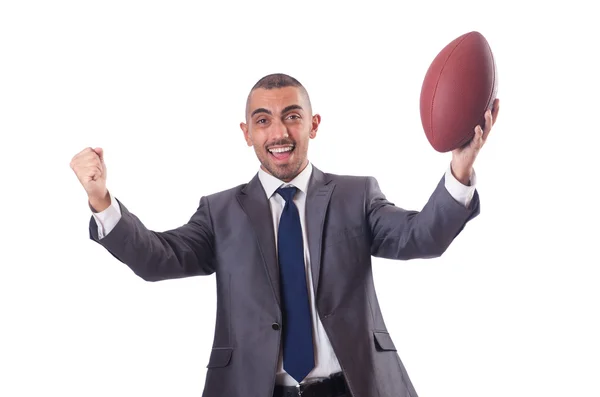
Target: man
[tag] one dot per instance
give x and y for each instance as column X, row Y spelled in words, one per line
column 297, row 313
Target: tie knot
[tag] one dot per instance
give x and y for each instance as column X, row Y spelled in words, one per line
column 287, row 192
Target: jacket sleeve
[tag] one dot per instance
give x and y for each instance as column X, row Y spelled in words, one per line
column 181, row 252
column 397, row 233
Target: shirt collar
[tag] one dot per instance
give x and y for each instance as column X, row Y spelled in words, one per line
column 271, row 184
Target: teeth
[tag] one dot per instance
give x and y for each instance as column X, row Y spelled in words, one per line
column 281, row 149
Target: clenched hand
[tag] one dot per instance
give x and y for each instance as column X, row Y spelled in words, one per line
column 90, row 169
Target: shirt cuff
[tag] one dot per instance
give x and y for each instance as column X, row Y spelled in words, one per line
column 107, row 219
column 461, row 193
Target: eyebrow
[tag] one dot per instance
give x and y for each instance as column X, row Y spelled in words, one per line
column 285, row 110
column 260, row 110
column 291, row 107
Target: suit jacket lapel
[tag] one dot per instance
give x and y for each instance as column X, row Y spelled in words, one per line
column 317, row 201
column 255, row 204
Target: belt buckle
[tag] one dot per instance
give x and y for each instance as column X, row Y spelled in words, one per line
column 299, row 389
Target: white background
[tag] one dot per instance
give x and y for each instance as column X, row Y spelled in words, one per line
column 511, row 309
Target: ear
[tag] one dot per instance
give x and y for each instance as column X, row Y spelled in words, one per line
column 247, row 137
column 316, row 120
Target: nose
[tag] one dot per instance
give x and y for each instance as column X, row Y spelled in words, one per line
column 278, row 131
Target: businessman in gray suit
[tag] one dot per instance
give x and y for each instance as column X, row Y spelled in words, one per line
column 297, row 312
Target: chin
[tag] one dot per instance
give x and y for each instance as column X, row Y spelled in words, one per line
column 285, row 172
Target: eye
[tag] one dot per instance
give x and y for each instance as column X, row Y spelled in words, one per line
column 293, row 116
column 261, row 121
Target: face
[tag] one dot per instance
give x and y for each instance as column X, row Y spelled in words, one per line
column 279, row 124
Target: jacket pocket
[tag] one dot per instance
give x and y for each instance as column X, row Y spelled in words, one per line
column 219, row 357
column 383, row 341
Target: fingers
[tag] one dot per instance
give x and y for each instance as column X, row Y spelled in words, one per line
column 491, row 115
column 481, row 134
column 86, row 160
column 95, row 173
column 478, row 138
column 88, row 154
column 488, row 124
column 495, row 110
column 100, row 152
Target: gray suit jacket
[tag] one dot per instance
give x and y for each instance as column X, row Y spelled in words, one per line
column 231, row 234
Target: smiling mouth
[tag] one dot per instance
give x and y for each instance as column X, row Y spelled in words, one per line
column 282, row 152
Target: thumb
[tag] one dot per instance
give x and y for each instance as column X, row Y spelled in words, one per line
column 100, row 152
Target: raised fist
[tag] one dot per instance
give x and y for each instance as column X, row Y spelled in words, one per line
column 90, row 169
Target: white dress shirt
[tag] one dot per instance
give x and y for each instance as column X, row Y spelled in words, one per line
column 326, row 362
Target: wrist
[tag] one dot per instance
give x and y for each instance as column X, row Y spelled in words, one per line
column 99, row 203
column 462, row 174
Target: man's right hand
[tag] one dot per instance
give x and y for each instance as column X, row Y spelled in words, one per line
column 90, row 169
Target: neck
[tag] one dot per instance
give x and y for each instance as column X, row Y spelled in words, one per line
column 302, row 168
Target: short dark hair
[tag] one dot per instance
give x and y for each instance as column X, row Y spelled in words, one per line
column 273, row 81
column 276, row 80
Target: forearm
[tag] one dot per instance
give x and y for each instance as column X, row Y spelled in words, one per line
column 99, row 204
column 461, row 192
column 182, row 252
column 403, row 234
column 462, row 174
column 106, row 218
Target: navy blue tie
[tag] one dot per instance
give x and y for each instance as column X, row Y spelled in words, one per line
column 298, row 354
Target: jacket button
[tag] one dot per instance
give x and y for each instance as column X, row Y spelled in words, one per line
column 276, row 326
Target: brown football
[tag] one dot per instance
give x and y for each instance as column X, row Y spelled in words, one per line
column 459, row 86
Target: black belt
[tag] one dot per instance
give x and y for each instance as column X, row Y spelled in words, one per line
column 333, row 386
